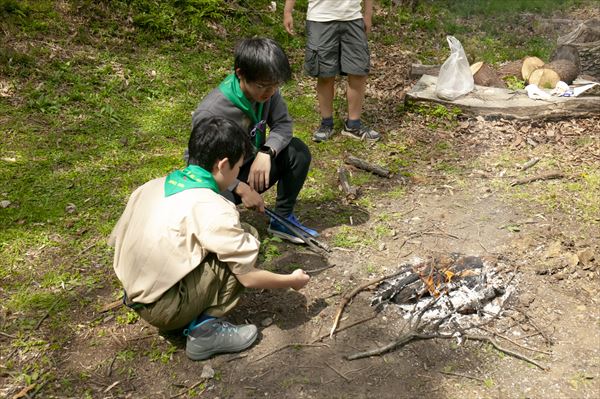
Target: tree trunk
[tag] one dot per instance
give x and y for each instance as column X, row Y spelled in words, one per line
column 586, row 38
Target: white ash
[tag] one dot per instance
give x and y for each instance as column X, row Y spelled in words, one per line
column 462, row 303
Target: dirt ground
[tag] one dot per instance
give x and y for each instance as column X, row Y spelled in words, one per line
column 554, row 310
column 553, row 317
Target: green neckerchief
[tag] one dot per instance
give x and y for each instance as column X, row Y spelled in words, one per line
column 191, row 177
column 230, row 87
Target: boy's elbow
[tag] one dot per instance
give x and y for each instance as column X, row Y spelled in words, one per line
column 248, row 280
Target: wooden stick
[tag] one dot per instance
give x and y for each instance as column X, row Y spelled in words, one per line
column 362, row 164
column 347, row 297
column 530, row 163
column 462, row 375
column 188, row 389
column 7, row 335
column 351, row 192
column 412, row 336
column 344, row 328
column 337, row 371
column 509, row 352
column 516, row 343
column 111, row 306
column 545, row 176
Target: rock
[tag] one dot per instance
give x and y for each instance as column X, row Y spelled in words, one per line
column 527, row 298
column 572, row 259
column 382, row 246
column 70, row 208
column 553, row 250
column 266, row 322
column 586, row 257
column 5, row 204
column 207, row 372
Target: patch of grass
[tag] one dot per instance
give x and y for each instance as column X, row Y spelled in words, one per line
column 269, row 250
column 349, row 237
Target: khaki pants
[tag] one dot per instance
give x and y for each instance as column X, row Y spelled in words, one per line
column 211, row 289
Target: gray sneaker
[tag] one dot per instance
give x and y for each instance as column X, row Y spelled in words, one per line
column 362, row 133
column 323, row 133
column 218, row 336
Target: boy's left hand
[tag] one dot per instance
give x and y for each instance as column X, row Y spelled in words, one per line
column 258, row 178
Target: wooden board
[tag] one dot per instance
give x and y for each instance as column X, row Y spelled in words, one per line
column 495, row 103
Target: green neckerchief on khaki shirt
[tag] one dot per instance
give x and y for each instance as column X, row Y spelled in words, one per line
column 230, row 87
column 191, row 177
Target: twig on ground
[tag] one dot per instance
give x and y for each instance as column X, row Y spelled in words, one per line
column 347, row 297
column 462, row 375
column 337, row 371
column 111, row 306
column 286, row 346
column 140, row 338
column 509, row 352
column 530, row 163
column 7, row 335
column 111, row 386
column 110, row 366
column 412, row 336
column 516, row 343
column 545, row 176
column 344, row 328
column 548, row 340
column 39, row 323
column 188, row 389
column 319, row 269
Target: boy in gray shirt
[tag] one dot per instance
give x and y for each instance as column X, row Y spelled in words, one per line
column 250, row 97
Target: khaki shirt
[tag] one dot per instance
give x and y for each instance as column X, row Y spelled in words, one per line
column 158, row 240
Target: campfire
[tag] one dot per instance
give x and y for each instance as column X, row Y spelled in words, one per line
column 451, row 292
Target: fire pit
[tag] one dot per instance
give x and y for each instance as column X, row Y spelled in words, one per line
column 452, row 292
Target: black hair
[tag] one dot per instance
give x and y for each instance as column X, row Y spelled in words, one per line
column 262, row 60
column 216, row 138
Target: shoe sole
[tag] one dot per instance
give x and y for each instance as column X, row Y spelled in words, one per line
column 285, row 236
column 203, row 355
column 350, row 134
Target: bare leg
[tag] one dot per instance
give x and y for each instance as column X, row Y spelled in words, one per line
column 325, row 93
column 356, row 95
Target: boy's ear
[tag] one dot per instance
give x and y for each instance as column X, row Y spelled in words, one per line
column 238, row 73
column 220, row 164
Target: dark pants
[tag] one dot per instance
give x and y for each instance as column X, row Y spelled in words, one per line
column 288, row 170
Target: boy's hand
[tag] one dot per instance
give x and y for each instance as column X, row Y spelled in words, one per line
column 288, row 22
column 250, row 198
column 300, row 278
column 258, row 178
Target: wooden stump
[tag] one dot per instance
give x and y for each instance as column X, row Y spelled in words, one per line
column 586, row 38
column 485, row 75
column 512, row 68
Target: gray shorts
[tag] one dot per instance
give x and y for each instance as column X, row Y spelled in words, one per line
column 336, row 48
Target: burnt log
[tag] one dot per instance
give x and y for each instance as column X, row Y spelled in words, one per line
column 364, row 165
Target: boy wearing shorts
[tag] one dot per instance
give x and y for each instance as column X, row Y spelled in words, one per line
column 336, row 44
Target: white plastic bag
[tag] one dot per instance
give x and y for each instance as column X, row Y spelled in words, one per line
column 455, row 78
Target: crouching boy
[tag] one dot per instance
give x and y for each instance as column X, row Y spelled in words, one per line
column 181, row 253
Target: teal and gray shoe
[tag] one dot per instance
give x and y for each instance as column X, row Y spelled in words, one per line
column 218, row 336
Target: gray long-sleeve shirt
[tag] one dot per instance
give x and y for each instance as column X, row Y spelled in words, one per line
column 275, row 114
